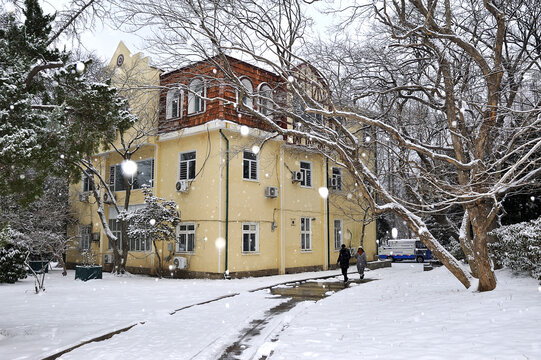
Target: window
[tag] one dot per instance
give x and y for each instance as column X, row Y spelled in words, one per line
column 306, row 234
column 337, row 234
column 196, row 104
column 85, row 233
column 248, row 91
column 250, row 237
column 186, row 237
column 265, row 99
column 86, row 184
column 187, row 166
column 306, row 170
column 144, row 176
column 135, row 243
column 337, row 175
column 116, row 229
column 249, row 168
column 173, row 104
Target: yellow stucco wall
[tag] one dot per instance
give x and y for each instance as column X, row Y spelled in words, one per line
column 204, row 204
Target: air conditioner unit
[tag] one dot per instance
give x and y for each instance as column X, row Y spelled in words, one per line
column 271, row 191
column 108, row 258
column 95, row 236
column 107, row 198
column 181, row 185
column 180, row 262
column 333, row 183
column 83, row 197
column 297, row 176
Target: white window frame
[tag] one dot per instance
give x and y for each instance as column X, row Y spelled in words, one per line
column 305, row 172
column 187, row 232
column 306, row 234
column 338, row 233
column 115, row 227
column 116, row 171
column 189, row 164
column 247, row 99
column 248, row 232
column 139, row 244
column 265, row 99
column 338, row 177
column 87, row 187
column 250, row 163
column 85, row 236
column 172, row 95
column 196, row 97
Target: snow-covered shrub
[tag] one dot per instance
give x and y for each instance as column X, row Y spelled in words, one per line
column 11, row 260
column 518, row 247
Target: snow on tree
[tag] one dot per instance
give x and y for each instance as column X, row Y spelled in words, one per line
column 451, row 90
column 156, row 221
column 50, row 114
column 12, row 259
column 42, row 224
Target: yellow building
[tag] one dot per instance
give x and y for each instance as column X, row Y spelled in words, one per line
column 248, row 206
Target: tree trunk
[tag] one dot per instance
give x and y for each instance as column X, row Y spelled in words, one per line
column 159, row 268
column 480, row 225
column 466, row 243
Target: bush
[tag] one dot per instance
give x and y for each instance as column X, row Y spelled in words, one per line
column 518, row 247
column 11, row 260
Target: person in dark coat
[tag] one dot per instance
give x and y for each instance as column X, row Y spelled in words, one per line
column 343, row 260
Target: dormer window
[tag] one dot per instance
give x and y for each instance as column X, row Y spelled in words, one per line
column 248, row 91
column 196, row 103
column 265, row 99
column 173, row 103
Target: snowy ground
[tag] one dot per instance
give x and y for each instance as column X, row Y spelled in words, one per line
column 404, row 313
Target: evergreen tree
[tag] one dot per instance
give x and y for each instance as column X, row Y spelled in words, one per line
column 50, row 114
column 11, row 259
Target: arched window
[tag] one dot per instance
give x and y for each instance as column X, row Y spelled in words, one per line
column 196, row 103
column 265, row 99
column 173, row 104
column 248, row 92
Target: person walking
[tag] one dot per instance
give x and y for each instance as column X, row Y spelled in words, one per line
column 360, row 255
column 343, row 260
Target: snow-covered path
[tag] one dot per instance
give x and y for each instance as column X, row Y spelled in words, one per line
column 70, row 312
column 404, row 313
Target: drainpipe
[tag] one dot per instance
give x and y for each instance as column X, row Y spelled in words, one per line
column 226, row 200
column 328, row 217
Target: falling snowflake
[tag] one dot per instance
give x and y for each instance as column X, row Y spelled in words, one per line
column 323, row 192
column 129, row 167
column 244, row 130
column 152, row 222
column 80, row 67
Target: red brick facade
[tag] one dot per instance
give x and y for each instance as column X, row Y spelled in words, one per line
column 218, row 91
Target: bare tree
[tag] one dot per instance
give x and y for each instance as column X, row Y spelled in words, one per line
column 448, row 89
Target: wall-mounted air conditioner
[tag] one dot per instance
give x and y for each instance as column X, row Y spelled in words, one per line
column 271, row 191
column 297, row 176
column 180, row 262
column 107, row 198
column 95, row 236
column 108, row 258
column 181, row 185
column 83, row 197
column 333, row 183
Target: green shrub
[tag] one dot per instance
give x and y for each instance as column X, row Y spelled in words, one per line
column 518, row 247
